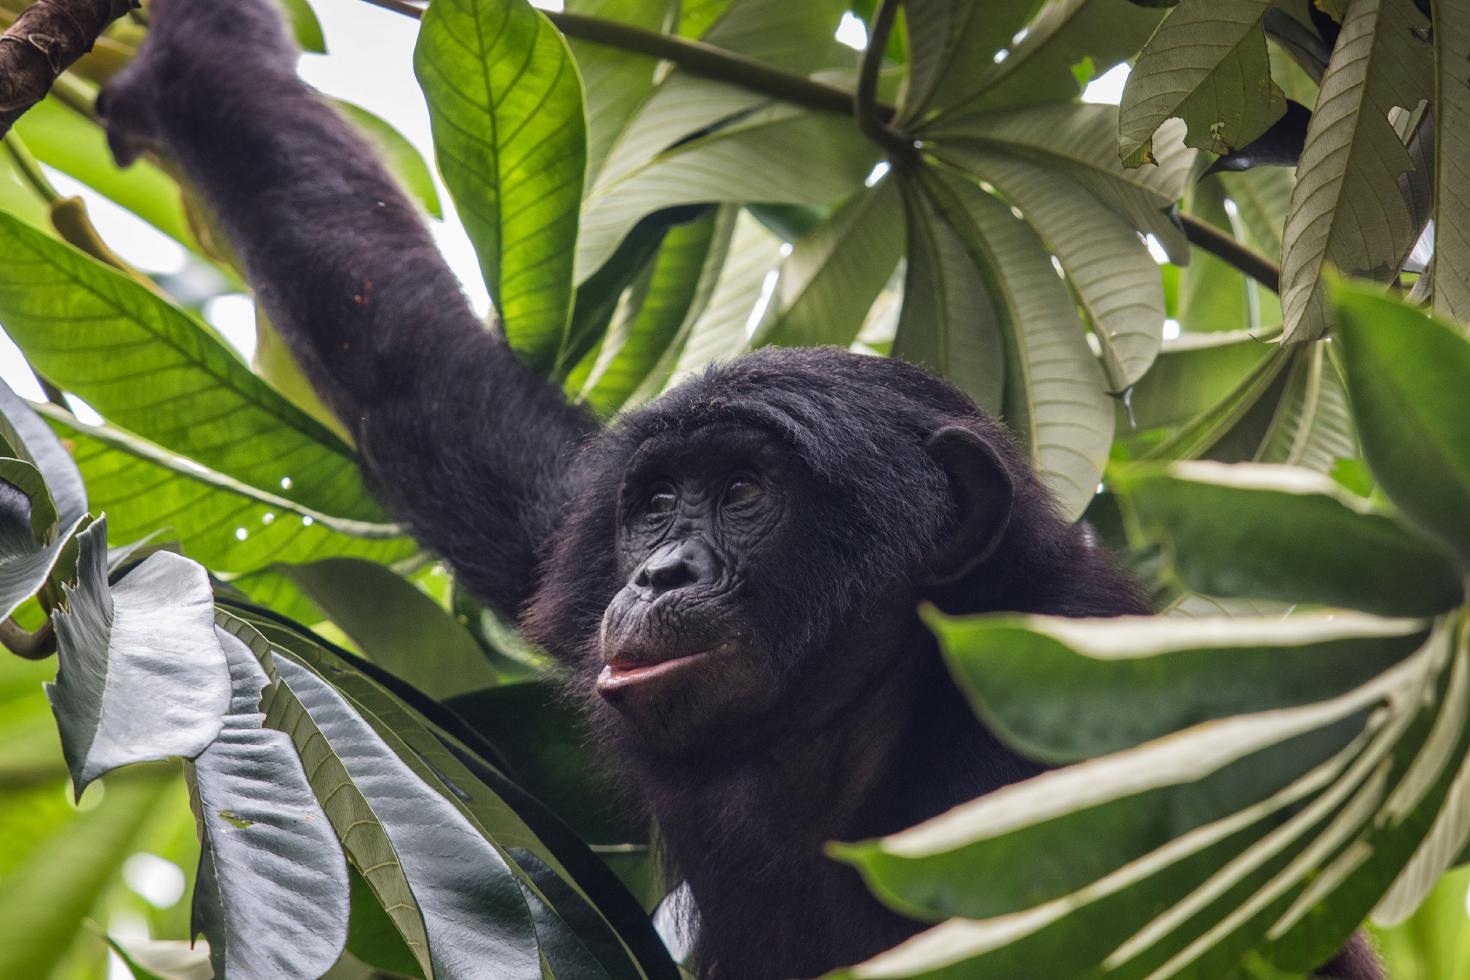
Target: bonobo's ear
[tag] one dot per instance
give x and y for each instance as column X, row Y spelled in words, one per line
column 982, row 494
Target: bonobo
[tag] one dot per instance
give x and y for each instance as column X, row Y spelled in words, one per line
column 732, row 572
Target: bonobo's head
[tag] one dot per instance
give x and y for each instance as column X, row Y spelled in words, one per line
column 759, row 537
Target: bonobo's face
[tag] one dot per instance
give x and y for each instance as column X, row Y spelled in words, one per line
column 685, row 642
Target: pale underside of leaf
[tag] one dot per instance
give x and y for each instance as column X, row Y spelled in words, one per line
column 1451, row 289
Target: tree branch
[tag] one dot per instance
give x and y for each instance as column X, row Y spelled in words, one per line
column 695, row 57
column 865, row 106
column 44, row 40
column 1233, row 253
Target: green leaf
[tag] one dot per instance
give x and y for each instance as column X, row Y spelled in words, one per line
column 29, row 439
column 725, row 327
column 304, row 26
column 1405, row 375
column 222, row 523
column 751, row 160
column 615, row 82
column 673, row 289
column 1040, row 67
column 1207, row 65
column 1055, row 392
column 397, row 626
column 1451, row 169
column 948, row 39
column 140, row 675
column 1081, row 141
column 1262, row 196
column 1313, row 426
column 97, row 333
column 1185, row 853
column 1149, row 676
column 1193, row 372
column 402, row 157
column 1288, row 534
column 272, row 891
column 505, row 104
column 163, row 959
column 474, row 915
column 836, row 270
column 949, row 323
column 1347, row 211
column 1115, row 280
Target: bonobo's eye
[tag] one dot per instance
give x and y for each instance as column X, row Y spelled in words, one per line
column 743, row 488
column 661, row 500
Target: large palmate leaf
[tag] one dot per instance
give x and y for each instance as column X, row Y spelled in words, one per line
column 1405, row 375
column 775, row 155
column 1115, row 280
column 140, row 674
column 1043, row 65
column 1451, row 272
column 947, row 39
column 1288, row 534
column 222, row 523
column 836, row 270
column 510, row 136
column 1347, row 211
column 271, row 896
column 948, row 323
column 1055, row 393
column 150, row 368
column 674, row 288
column 1272, row 828
column 1080, row 142
column 1207, row 65
column 734, row 312
column 795, row 37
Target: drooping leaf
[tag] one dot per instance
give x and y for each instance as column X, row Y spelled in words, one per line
column 1115, row 280
column 836, row 270
column 1055, row 392
column 272, row 898
column 403, row 159
column 1451, row 275
column 1288, row 534
column 225, row 525
column 510, row 136
column 150, row 368
column 474, row 914
column 1207, row 65
column 1081, row 141
column 752, row 160
column 396, row 625
column 1405, row 375
column 1346, row 211
column 949, row 323
column 140, row 675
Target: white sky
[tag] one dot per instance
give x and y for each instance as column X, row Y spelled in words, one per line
column 369, row 62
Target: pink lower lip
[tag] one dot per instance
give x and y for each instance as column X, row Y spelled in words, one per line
column 615, row 677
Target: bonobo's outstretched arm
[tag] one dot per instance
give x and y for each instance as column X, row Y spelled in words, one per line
column 461, row 440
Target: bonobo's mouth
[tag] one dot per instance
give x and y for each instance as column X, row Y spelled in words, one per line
column 621, row 673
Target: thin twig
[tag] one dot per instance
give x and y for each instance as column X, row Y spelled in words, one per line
column 42, row 43
column 696, row 57
column 1227, row 249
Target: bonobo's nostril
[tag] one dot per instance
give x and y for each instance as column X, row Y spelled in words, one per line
column 668, row 574
column 675, row 568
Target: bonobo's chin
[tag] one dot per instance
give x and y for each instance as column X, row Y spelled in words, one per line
column 683, row 698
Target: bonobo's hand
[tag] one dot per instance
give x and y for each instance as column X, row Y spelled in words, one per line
column 195, row 53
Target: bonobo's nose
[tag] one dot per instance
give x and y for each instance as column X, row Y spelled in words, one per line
column 677, row 565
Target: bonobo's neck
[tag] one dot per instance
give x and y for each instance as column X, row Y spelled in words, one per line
column 747, row 830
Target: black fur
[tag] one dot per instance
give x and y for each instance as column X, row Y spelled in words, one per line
column 519, row 492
